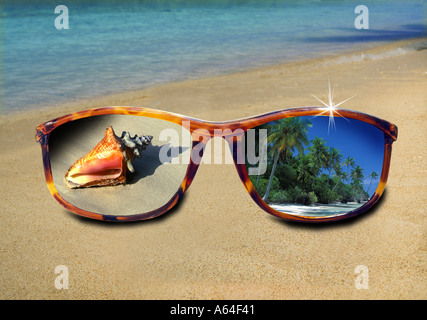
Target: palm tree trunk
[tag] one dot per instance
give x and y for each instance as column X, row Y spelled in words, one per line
column 348, row 174
column 259, row 166
column 332, row 191
column 318, row 167
column 369, row 186
column 270, row 181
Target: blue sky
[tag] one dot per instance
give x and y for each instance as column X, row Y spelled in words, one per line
column 357, row 139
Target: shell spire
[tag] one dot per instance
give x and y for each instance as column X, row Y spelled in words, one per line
column 107, row 163
column 134, row 146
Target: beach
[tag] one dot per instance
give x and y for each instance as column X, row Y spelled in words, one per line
column 217, row 243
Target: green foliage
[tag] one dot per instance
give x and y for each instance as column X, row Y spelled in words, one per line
column 346, row 193
column 286, row 175
column 321, row 189
column 312, row 197
column 261, row 185
column 297, row 195
column 277, row 196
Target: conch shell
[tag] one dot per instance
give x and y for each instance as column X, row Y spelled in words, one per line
column 107, row 163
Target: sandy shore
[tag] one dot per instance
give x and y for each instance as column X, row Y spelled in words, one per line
column 217, row 244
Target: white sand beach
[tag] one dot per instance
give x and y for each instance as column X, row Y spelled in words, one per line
column 316, row 209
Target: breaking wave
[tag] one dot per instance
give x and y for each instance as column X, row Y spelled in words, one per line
column 359, row 57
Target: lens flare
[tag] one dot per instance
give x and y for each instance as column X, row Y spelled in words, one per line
column 331, row 107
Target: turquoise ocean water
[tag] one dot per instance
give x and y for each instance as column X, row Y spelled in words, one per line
column 114, row 46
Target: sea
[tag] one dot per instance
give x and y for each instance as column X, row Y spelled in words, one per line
column 53, row 52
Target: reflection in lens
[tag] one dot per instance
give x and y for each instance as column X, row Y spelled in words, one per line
column 111, row 164
column 313, row 170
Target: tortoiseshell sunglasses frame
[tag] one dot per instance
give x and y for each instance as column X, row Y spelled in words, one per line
column 390, row 133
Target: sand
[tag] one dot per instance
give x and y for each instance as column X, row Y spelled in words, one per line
column 217, row 243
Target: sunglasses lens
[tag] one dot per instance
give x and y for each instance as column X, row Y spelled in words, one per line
column 119, row 165
column 315, row 166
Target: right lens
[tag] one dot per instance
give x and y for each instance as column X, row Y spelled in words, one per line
column 318, row 165
column 92, row 165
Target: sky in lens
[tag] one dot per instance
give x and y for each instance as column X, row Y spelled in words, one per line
column 357, row 139
column 114, row 46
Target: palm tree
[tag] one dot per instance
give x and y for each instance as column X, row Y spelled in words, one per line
column 319, row 153
column 286, row 135
column 357, row 177
column 341, row 176
column 349, row 162
column 305, row 169
column 334, row 161
column 344, row 176
column 373, row 176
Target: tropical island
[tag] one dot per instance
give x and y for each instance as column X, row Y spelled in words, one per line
column 309, row 172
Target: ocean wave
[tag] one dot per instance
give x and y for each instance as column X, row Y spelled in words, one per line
column 360, row 57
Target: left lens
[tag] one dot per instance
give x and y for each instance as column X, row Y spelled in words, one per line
column 317, row 165
column 110, row 173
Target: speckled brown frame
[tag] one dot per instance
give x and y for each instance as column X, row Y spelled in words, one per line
column 390, row 133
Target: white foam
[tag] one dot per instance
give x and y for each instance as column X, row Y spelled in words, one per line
column 415, row 46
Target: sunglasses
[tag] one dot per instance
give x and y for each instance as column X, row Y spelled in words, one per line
column 309, row 164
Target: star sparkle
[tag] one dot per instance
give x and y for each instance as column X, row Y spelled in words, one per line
column 331, row 107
